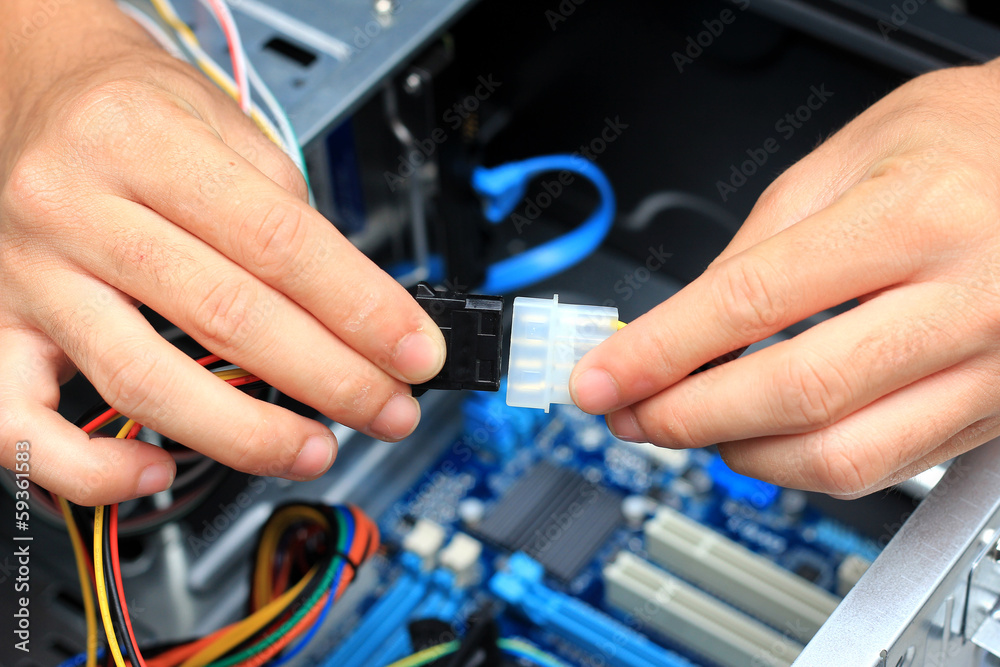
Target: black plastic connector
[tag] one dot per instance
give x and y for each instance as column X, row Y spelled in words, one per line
column 472, row 325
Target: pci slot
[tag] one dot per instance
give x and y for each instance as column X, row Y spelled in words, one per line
column 732, row 572
column 390, row 612
column 692, row 618
column 610, row 642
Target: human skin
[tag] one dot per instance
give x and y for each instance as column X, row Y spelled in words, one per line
column 127, row 178
column 901, row 210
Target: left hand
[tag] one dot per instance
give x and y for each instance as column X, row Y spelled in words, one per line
column 900, row 210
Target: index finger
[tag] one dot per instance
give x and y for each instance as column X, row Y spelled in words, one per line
column 746, row 298
column 202, row 185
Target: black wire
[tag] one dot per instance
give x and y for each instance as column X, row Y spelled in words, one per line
column 114, row 595
column 93, row 413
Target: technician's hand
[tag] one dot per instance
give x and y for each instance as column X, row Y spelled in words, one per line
column 901, row 210
column 126, row 178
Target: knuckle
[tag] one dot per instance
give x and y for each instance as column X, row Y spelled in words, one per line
column 128, row 381
column 671, row 429
column 812, row 391
column 85, row 495
column 747, row 293
column 358, row 396
column 288, row 176
column 963, row 189
column 101, row 116
column 261, row 450
column 34, row 190
column 839, row 468
column 225, row 316
column 277, row 239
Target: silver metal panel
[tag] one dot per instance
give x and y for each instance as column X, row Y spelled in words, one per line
column 910, row 607
column 376, row 38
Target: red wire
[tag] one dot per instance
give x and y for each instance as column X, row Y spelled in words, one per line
column 236, row 382
column 244, row 99
column 98, row 421
column 116, row 567
column 210, row 359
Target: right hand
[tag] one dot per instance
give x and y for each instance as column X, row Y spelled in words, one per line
column 126, row 178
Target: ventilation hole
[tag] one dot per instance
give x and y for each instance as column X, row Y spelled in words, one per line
column 293, row 52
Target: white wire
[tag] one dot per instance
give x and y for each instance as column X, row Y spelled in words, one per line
column 220, row 10
column 290, row 25
column 205, row 61
column 289, row 142
column 150, row 25
column 292, row 147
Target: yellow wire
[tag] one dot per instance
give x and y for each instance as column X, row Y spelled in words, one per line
column 619, row 325
column 269, row 546
column 187, row 35
column 232, row 374
column 427, row 655
column 81, row 571
column 126, row 428
column 246, row 628
column 102, row 594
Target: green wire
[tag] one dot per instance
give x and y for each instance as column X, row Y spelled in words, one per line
column 253, row 650
column 428, row 655
column 516, row 647
column 523, row 649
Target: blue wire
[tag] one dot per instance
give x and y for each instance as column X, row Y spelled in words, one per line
column 504, row 187
column 348, row 524
column 536, row 657
column 81, row 659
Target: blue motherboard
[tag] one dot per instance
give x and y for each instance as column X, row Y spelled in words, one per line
column 524, row 520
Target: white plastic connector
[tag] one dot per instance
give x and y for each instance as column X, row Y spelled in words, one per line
column 461, row 556
column 547, row 339
column 425, row 540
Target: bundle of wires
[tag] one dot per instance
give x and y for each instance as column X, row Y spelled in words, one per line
column 245, row 79
column 305, row 558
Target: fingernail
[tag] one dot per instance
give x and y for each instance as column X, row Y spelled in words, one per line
column 418, row 357
column 624, row 426
column 594, row 391
column 154, row 478
column 314, row 458
column 398, row 418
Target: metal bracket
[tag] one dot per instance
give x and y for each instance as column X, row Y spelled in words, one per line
column 982, row 609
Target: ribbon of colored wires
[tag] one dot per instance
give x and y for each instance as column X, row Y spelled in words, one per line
column 299, row 621
column 107, row 569
column 347, row 536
